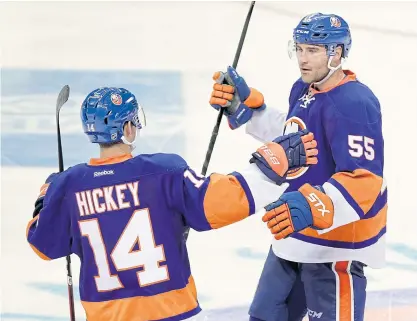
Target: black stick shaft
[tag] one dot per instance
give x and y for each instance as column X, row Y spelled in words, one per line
column 62, row 99
column 220, row 115
column 70, row 289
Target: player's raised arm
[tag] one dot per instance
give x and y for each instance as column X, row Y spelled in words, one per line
column 219, row 200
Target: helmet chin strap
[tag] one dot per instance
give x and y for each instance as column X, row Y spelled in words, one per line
column 331, row 71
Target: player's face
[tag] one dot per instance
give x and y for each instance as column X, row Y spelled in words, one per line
column 312, row 61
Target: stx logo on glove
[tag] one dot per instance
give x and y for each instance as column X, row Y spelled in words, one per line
column 321, row 206
column 313, row 198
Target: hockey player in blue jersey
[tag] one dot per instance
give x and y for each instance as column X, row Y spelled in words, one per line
column 319, row 272
column 124, row 216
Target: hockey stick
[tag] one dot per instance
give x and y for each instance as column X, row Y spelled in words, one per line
column 220, row 115
column 61, row 100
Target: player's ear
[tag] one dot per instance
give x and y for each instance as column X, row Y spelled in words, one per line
column 338, row 55
column 129, row 131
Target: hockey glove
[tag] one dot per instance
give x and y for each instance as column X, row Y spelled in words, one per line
column 42, row 193
column 232, row 92
column 284, row 153
column 295, row 211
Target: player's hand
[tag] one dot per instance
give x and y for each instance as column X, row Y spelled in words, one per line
column 286, row 152
column 42, row 193
column 232, row 92
column 295, row 211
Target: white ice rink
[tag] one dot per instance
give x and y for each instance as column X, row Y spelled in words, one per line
column 168, row 51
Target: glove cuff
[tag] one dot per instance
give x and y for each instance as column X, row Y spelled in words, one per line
column 255, row 99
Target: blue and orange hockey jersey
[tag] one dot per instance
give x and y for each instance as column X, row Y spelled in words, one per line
column 125, row 218
column 347, row 124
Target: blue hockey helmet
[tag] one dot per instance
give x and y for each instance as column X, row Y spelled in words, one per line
column 106, row 110
column 329, row 30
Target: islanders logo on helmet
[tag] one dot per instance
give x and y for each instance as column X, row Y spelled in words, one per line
column 335, row 22
column 116, row 99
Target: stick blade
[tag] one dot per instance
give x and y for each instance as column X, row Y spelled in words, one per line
column 62, row 97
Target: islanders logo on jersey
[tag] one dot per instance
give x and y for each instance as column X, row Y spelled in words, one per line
column 307, row 99
column 293, row 125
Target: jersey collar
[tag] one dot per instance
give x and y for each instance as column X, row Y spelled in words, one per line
column 109, row 160
column 350, row 76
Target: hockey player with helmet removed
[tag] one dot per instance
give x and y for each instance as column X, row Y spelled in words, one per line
column 319, row 271
column 125, row 216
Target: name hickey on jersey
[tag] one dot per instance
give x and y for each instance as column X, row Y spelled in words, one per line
column 107, row 198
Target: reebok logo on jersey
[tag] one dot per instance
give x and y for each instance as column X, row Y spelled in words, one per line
column 97, row 174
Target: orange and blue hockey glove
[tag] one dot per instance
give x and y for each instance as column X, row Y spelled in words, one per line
column 232, row 92
column 284, row 153
column 295, row 211
column 42, row 193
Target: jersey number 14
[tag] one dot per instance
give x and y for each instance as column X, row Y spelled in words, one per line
column 137, row 231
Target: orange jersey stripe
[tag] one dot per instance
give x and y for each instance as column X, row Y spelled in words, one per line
column 225, row 201
column 345, row 295
column 156, row 307
column 358, row 231
column 39, row 253
column 362, row 185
